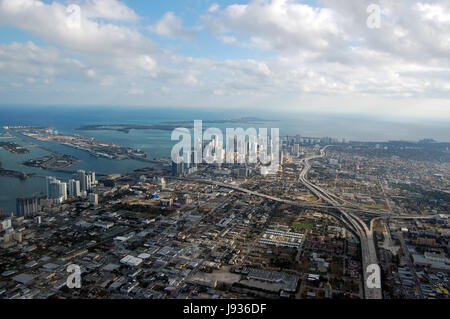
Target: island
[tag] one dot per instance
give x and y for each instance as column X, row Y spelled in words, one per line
column 126, row 128
column 169, row 126
column 53, row 161
column 14, row 148
column 242, row 120
column 88, row 144
column 6, row 135
column 14, row 174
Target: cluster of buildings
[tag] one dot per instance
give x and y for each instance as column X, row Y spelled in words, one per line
column 57, row 192
column 281, row 235
column 156, row 236
column 183, row 169
column 80, row 185
column 414, row 258
column 292, row 144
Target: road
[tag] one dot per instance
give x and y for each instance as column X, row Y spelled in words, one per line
column 368, row 251
column 410, row 264
column 273, row 198
column 388, row 203
column 347, row 215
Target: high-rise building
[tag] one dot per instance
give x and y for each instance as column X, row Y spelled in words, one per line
column 174, row 168
column 74, row 188
column 93, row 178
column 178, row 169
column 81, row 177
column 63, row 191
column 48, row 183
column 88, row 182
column 27, row 207
column 296, row 150
column 86, row 179
column 93, row 199
column 56, row 190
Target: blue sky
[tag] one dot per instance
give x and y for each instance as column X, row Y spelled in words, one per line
column 285, row 54
column 205, row 45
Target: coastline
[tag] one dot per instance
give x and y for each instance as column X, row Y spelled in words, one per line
column 14, row 174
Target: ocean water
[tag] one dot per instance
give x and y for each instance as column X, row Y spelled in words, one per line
column 158, row 144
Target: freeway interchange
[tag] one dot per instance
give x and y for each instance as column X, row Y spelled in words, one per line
column 348, row 213
column 368, row 251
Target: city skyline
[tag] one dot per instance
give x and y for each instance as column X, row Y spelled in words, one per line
column 320, row 56
column 225, row 158
column 336, row 219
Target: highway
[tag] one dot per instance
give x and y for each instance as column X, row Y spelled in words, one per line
column 276, row 199
column 346, row 214
column 368, row 251
column 351, row 221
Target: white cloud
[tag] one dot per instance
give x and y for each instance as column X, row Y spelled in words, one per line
column 108, row 9
column 146, row 63
column 171, row 26
column 229, row 40
column 191, row 80
column 50, row 21
column 413, row 30
column 136, row 91
column 91, row 73
column 282, row 25
column 330, row 51
column 324, row 58
column 27, row 60
column 214, row 7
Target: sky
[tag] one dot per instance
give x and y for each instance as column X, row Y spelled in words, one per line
column 316, row 55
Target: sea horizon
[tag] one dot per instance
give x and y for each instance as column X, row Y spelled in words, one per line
column 157, row 144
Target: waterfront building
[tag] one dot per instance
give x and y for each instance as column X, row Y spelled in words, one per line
column 88, row 182
column 86, row 179
column 74, row 188
column 56, row 191
column 81, row 177
column 27, row 207
column 63, row 191
column 93, row 178
column 48, row 182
